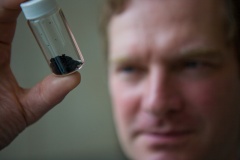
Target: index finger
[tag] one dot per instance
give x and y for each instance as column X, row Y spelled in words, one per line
column 11, row 4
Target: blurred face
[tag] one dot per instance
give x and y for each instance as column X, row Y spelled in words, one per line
column 174, row 81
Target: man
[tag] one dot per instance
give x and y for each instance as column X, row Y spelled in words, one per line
column 173, row 78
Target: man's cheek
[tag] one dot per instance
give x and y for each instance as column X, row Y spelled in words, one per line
column 126, row 103
column 209, row 98
column 125, row 107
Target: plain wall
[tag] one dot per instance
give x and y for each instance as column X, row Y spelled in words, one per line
column 81, row 126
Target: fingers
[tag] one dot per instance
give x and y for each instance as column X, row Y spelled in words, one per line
column 11, row 4
column 47, row 94
column 9, row 11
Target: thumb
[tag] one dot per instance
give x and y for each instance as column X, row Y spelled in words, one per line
column 46, row 94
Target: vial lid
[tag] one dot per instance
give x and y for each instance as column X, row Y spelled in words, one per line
column 37, row 8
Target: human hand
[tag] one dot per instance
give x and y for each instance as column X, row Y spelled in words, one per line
column 21, row 107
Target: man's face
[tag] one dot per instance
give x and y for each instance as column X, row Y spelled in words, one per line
column 174, row 81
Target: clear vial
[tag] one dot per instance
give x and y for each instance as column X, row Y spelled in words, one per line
column 50, row 28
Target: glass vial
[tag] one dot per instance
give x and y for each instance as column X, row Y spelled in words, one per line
column 50, row 28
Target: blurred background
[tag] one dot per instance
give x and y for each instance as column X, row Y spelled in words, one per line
column 81, row 127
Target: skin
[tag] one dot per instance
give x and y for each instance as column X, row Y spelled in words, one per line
column 174, row 81
column 21, row 107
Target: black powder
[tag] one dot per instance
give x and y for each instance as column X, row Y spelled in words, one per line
column 64, row 64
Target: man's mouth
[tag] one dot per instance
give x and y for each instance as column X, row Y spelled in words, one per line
column 166, row 138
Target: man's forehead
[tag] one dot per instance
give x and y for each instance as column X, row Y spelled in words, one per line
column 168, row 23
column 210, row 13
column 182, row 6
column 156, row 13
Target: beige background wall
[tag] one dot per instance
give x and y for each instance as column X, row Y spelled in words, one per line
column 81, row 127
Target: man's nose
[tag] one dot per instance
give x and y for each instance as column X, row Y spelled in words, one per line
column 161, row 93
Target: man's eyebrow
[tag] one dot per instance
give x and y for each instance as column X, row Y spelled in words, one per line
column 122, row 59
column 182, row 54
column 201, row 52
column 206, row 53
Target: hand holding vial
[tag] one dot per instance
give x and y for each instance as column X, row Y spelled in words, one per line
column 21, row 107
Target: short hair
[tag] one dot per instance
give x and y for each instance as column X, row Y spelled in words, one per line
column 114, row 7
column 233, row 22
column 110, row 8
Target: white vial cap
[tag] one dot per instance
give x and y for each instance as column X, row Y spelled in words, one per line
column 37, row 8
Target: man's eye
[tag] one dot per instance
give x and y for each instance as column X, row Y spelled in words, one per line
column 193, row 64
column 189, row 65
column 131, row 72
column 194, row 68
column 128, row 69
